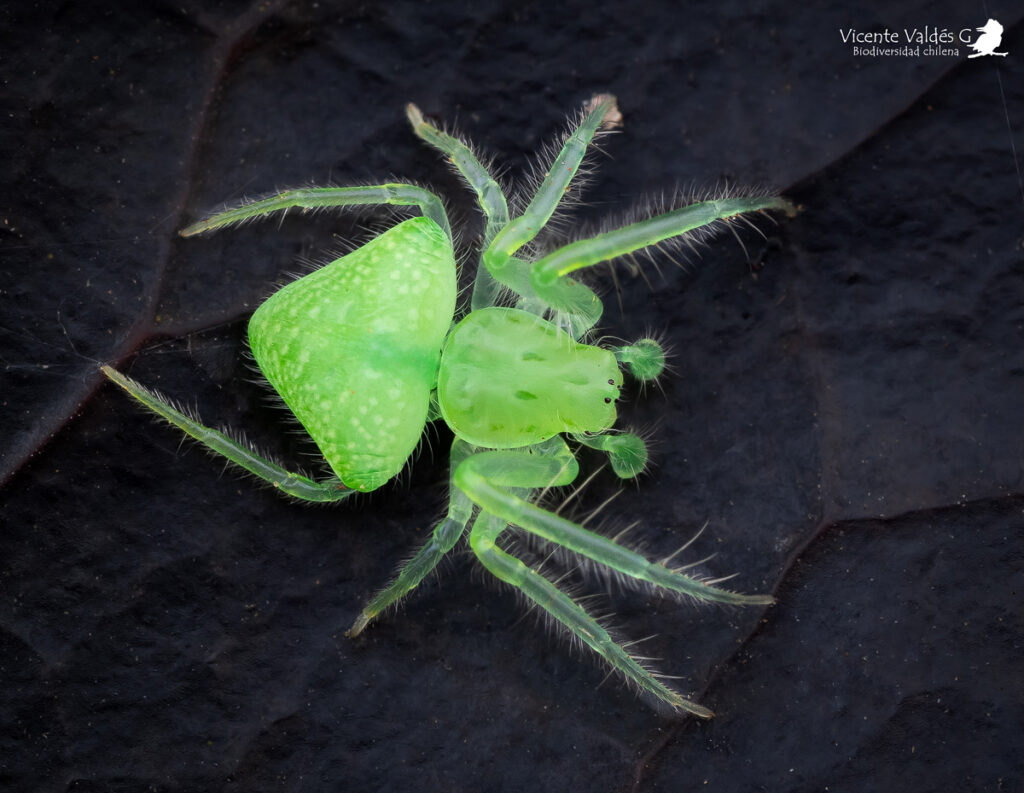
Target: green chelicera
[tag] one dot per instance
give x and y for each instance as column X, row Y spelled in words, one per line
column 367, row 350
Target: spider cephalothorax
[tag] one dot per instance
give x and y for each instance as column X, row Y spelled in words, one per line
column 366, row 350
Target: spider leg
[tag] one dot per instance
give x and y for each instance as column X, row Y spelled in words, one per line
column 313, row 198
column 295, row 485
column 443, row 539
column 489, row 479
column 488, row 192
column 581, row 306
column 548, row 272
column 600, row 111
column 543, row 284
column 568, row 612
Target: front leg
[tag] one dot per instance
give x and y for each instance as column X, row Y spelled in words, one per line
column 578, row 304
column 548, row 275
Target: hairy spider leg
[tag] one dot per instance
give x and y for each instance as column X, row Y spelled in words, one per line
column 548, row 272
column 499, row 259
column 543, row 283
column 565, row 610
column 521, row 230
column 488, row 192
column 580, row 304
column 488, row 479
column 312, row 198
column 562, row 469
column 486, row 289
column 292, row 484
column 443, row 539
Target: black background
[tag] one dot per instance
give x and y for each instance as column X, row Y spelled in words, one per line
column 845, row 411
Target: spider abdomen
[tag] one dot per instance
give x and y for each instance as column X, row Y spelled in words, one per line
column 353, row 348
column 509, row 378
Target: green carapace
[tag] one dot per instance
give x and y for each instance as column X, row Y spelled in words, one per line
column 368, row 349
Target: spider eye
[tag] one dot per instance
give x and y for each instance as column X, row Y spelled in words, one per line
column 611, row 382
column 607, row 400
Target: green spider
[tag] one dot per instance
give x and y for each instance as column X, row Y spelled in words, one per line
column 366, row 351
